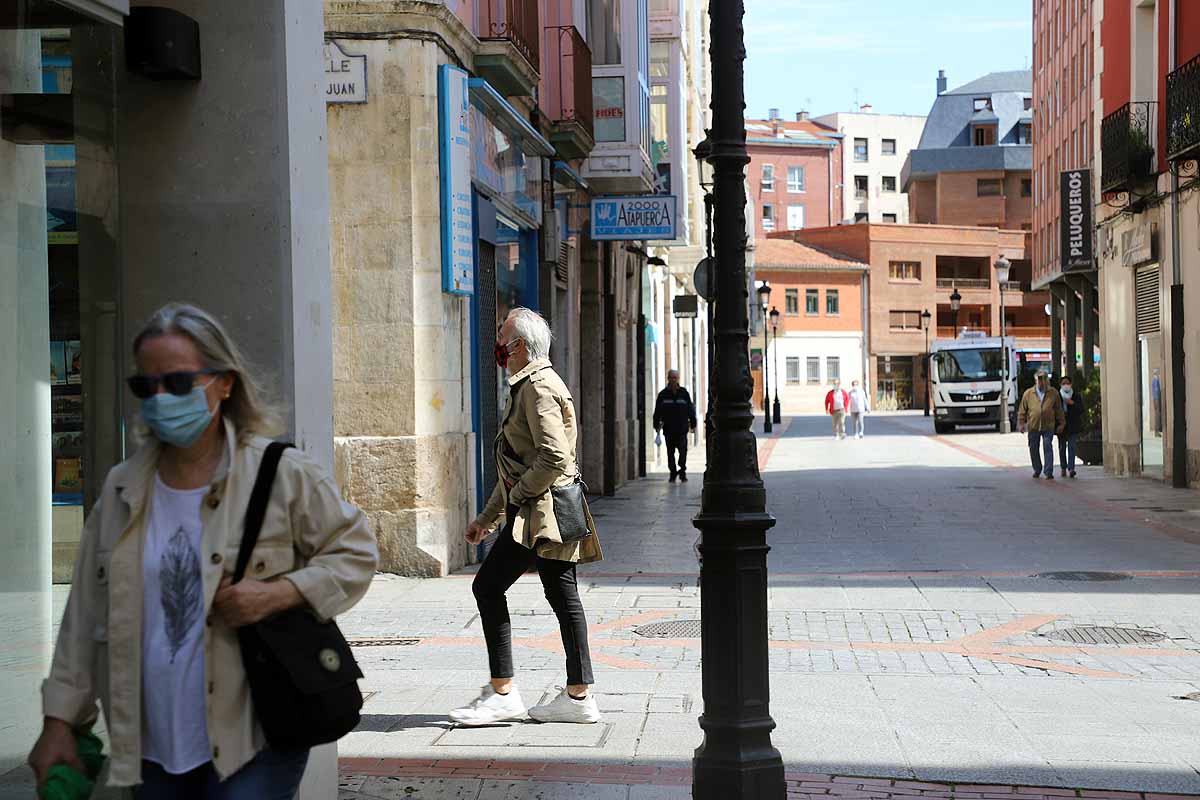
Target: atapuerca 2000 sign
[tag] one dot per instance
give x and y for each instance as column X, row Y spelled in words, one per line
column 644, row 217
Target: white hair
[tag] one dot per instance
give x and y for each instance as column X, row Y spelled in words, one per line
column 533, row 329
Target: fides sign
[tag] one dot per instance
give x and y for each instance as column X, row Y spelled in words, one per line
column 1076, row 220
column 345, row 76
column 633, row 218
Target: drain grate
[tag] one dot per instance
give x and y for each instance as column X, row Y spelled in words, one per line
column 671, row 629
column 1096, row 634
column 383, row 641
column 1078, row 575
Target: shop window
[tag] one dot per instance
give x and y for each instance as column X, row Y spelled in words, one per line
column 812, row 298
column 792, row 307
column 813, row 370
column 904, row 270
column 793, row 370
column 832, row 302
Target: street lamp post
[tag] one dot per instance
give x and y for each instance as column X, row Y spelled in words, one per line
column 702, row 153
column 1003, row 266
column 736, row 760
column 925, row 318
column 775, row 415
column 955, row 303
column 764, row 299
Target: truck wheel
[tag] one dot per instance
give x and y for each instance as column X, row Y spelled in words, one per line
column 940, row 427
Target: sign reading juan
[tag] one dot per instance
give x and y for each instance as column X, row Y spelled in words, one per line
column 1076, row 220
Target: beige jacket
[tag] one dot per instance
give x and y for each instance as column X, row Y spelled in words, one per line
column 321, row 543
column 1046, row 416
column 535, row 450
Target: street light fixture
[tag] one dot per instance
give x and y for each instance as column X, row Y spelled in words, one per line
column 925, row 318
column 955, row 303
column 775, row 415
column 704, row 169
column 764, row 300
column 1003, row 268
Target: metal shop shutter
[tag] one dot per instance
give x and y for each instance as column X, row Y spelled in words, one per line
column 1146, row 291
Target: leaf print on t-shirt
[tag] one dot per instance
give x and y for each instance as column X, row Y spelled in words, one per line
column 182, row 589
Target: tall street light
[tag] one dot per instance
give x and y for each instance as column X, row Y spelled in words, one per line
column 736, row 760
column 775, row 416
column 925, row 318
column 955, row 302
column 764, row 300
column 706, row 269
column 1003, row 266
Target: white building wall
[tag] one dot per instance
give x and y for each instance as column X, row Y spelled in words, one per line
column 906, row 130
column 809, row 398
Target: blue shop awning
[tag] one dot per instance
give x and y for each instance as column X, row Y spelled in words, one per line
column 508, row 119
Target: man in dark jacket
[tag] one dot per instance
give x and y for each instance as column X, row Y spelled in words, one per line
column 675, row 416
column 1073, row 411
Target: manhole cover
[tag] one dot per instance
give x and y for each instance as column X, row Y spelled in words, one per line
column 1075, row 575
column 1094, row 634
column 383, row 641
column 672, row 629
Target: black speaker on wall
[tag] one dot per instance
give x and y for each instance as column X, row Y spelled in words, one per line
column 162, row 44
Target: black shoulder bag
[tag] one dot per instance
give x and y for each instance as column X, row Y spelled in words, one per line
column 303, row 677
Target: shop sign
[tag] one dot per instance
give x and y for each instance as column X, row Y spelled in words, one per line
column 1137, row 245
column 455, row 155
column 608, row 101
column 345, row 75
column 1076, row 225
column 634, row 218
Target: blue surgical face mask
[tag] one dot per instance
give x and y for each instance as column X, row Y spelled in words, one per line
column 177, row 420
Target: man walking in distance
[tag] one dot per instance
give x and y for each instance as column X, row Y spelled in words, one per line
column 1040, row 414
column 836, row 403
column 859, row 408
column 675, row 416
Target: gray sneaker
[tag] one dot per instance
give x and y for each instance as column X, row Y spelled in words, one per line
column 565, row 708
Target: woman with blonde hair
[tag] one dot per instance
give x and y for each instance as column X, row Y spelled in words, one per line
column 151, row 625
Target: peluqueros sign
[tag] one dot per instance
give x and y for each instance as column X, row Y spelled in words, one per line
column 633, row 219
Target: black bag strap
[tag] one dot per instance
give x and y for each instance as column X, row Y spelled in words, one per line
column 256, row 510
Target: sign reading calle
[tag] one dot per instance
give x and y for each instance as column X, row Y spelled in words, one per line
column 634, row 218
column 345, row 75
column 1077, row 220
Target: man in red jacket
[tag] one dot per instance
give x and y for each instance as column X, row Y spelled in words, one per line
column 836, row 403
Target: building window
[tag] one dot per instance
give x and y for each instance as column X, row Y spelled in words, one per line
column 889, row 183
column 832, row 303
column 860, row 216
column 989, row 187
column 860, row 186
column 814, row 369
column 768, row 217
column 795, row 179
column 795, row 218
column 768, row 177
column 860, row 150
column 811, row 298
column 904, row 270
column 1024, row 133
column 1026, row 187
column 793, row 370
column 888, row 148
column 604, row 31
column 983, row 104
column 1028, row 103
column 792, row 297
column 904, row 320
column 985, row 135
column 833, row 368
column 889, row 217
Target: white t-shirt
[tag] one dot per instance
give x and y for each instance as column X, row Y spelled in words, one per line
column 839, row 402
column 174, row 722
column 858, row 401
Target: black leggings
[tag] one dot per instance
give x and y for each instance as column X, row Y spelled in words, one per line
column 507, row 562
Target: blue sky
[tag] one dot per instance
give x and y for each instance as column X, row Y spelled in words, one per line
column 814, row 54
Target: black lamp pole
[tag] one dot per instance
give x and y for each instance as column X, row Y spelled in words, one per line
column 764, row 299
column 925, row 317
column 775, row 415
column 736, row 760
column 702, row 153
column 955, row 304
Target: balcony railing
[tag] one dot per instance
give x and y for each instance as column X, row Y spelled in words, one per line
column 1183, row 111
column 950, row 332
column 963, row 283
column 568, row 98
column 1127, row 146
column 1012, row 286
column 513, row 21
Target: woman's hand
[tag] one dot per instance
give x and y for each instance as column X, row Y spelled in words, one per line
column 476, row 533
column 55, row 746
column 249, row 601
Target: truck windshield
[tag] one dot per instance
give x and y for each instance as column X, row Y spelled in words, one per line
column 957, row 366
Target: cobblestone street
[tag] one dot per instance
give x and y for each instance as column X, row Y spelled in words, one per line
column 922, row 636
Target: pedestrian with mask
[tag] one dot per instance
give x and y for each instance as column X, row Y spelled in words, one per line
column 1040, row 415
column 535, row 456
column 836, row 403
column 151, row 626
column 675, row 416
column 1073, row 410
column 858, row 410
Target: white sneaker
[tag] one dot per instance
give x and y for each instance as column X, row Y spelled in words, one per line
column 490, row 708
column 565, row 708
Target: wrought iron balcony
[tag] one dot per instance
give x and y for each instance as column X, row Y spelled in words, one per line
column 567, row 95
column 509, row 30
column 1183, row 111
column 1127, row 146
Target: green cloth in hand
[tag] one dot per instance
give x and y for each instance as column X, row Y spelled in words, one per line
column 66, row 783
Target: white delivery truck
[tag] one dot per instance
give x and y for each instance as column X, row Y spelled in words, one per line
column 965, row 379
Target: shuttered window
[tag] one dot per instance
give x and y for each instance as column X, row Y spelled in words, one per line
column 1147, row 292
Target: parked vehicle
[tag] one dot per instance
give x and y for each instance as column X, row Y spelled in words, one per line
column 966, row 375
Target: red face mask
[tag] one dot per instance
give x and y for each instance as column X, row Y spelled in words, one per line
column 501, row 352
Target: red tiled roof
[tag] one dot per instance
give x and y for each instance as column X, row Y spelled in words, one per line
column 787, row 254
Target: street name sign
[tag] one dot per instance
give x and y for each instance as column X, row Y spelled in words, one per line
column 635, row 218
column 345, row 75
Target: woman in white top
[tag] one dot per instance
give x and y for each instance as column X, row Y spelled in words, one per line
column 858, row 410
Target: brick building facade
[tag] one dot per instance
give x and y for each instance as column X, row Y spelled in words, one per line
column 794, row 174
